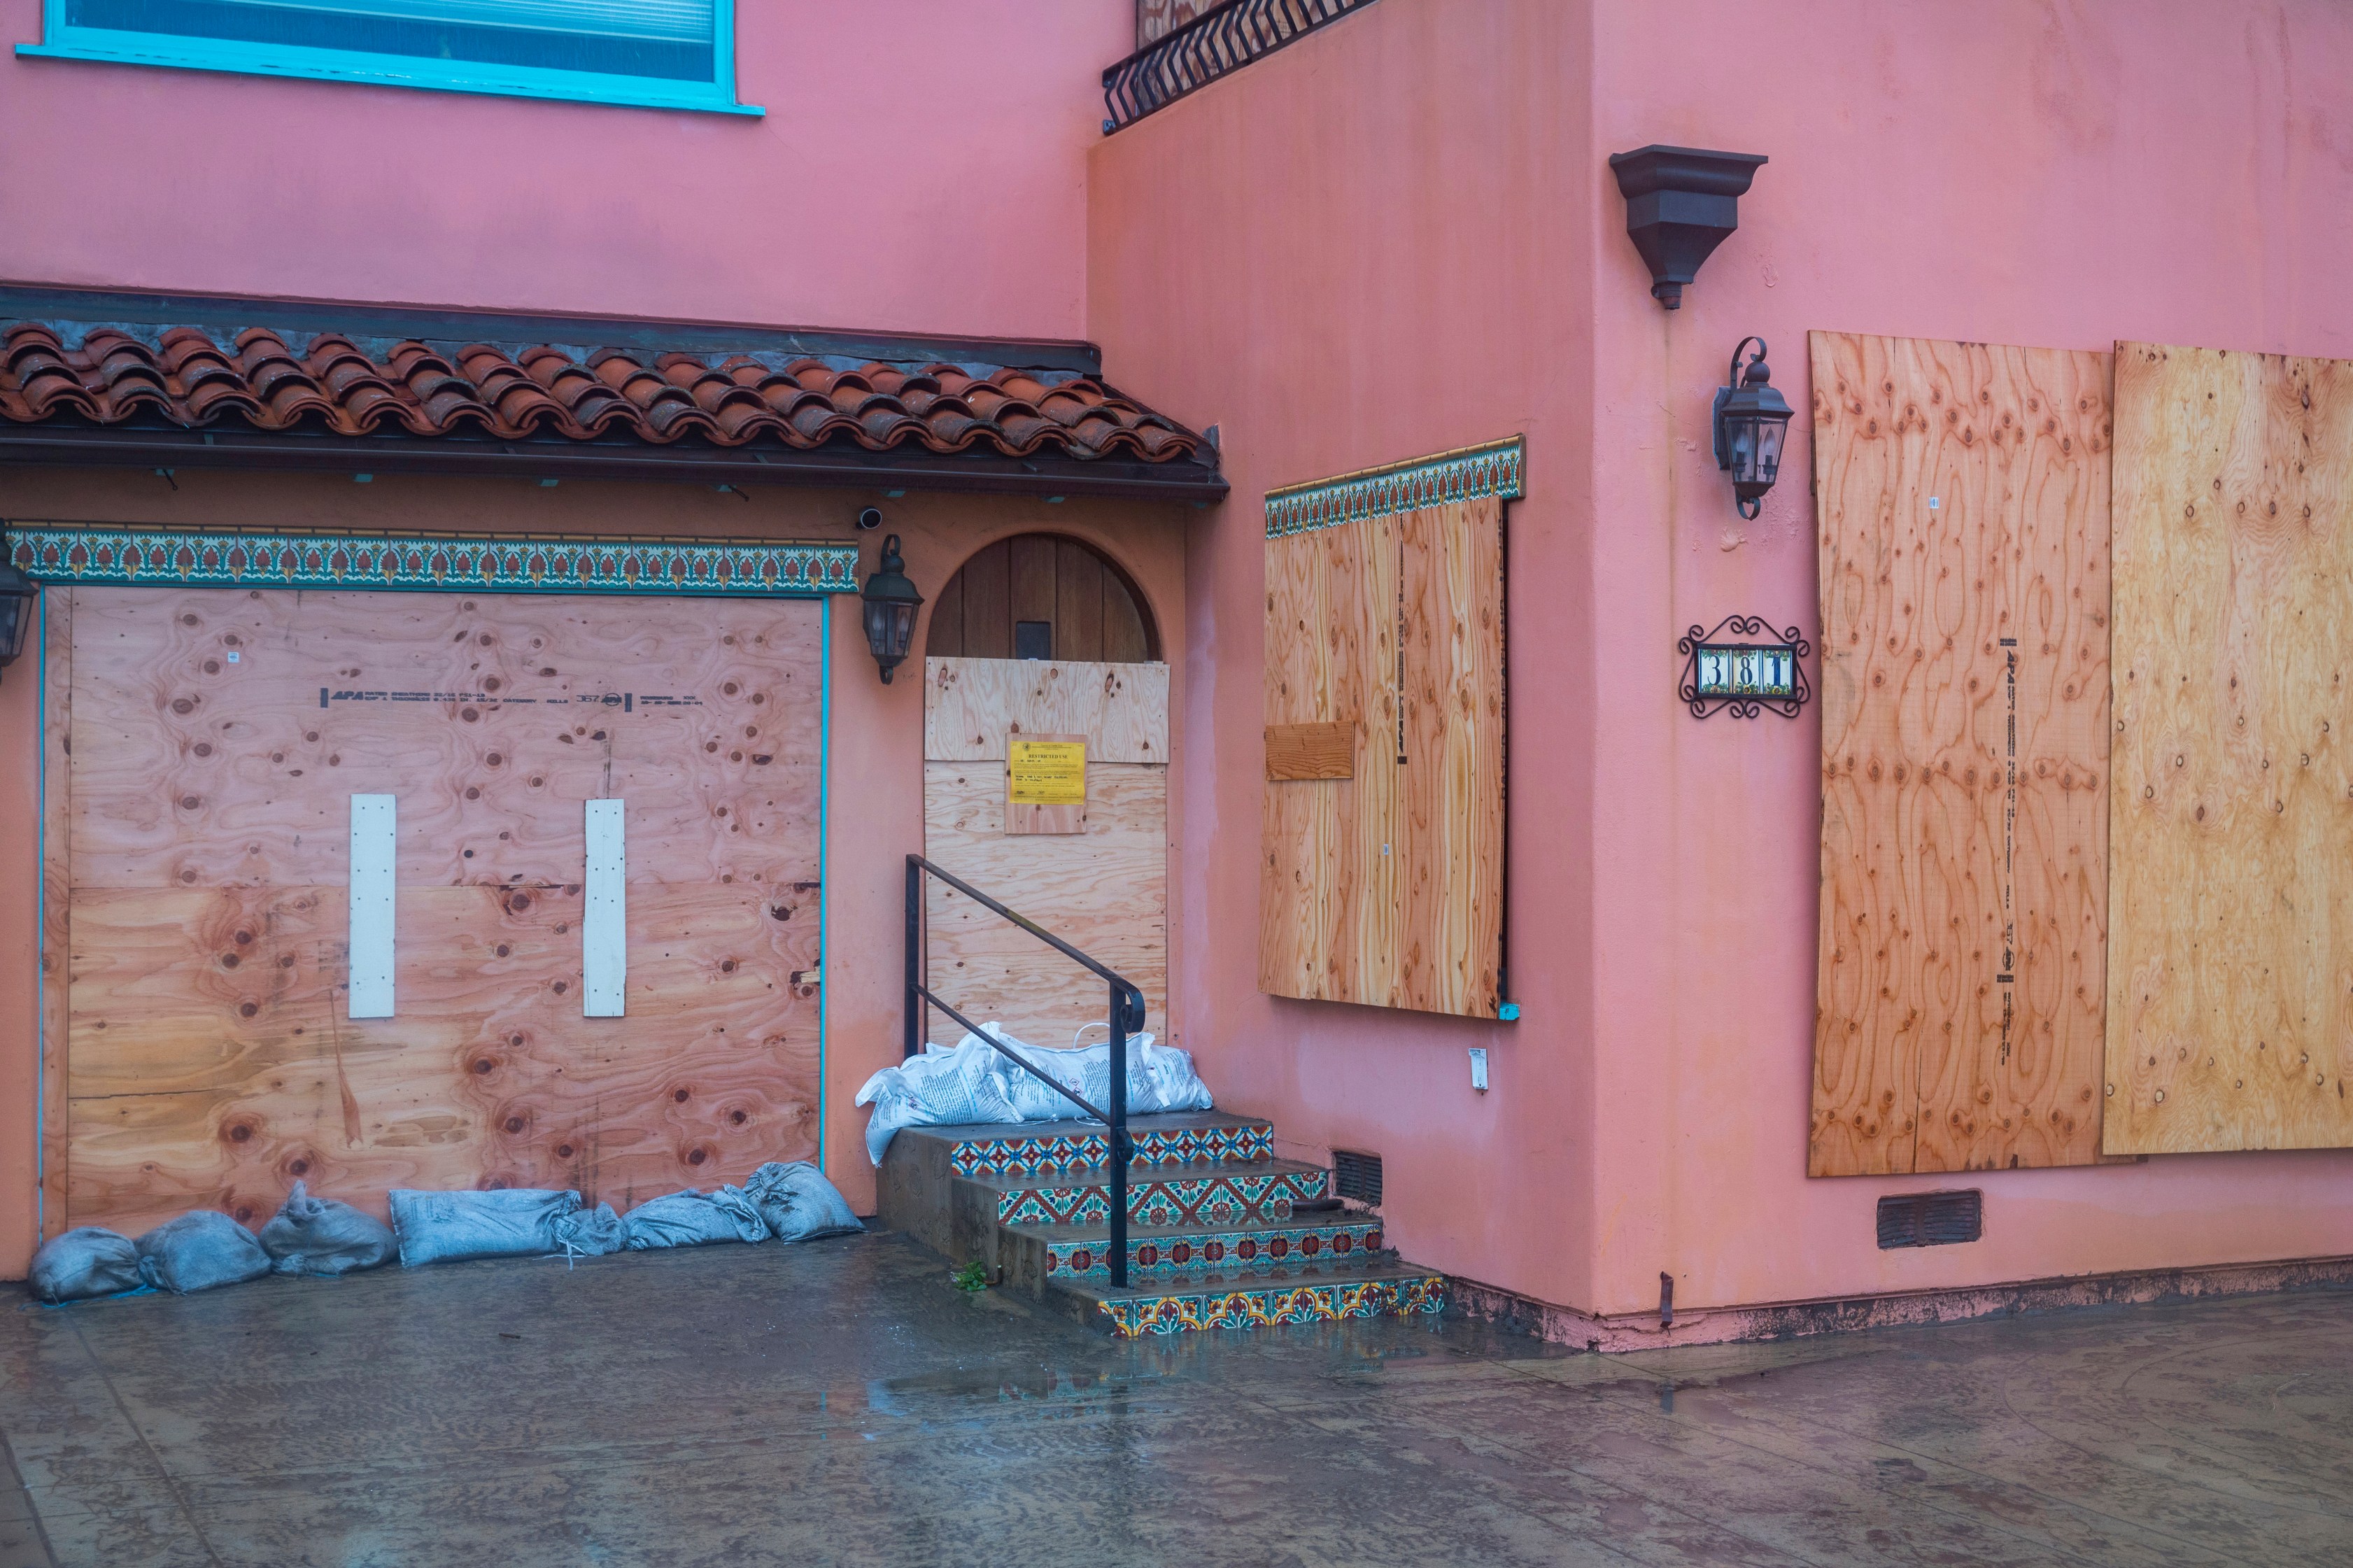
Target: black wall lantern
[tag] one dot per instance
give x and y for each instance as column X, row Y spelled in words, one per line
column 1681, row 202
column 19, row 599
column 890, row 604
column 1751, row 418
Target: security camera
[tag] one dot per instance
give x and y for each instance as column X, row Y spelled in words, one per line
column 870, row 518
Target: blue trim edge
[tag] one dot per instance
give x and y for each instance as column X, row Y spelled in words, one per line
column 824, row 845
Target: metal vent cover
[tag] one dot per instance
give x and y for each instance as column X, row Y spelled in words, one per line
column 1357, row 1175
column 1931, row 1219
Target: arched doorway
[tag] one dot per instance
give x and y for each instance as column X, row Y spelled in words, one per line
column 1042, row 595
column 1042, row 641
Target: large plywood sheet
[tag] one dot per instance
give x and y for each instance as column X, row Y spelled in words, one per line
column 972, row 705
column 1382, row 879
column 1962, row 491
column 212, row 1061
column 2231, row 974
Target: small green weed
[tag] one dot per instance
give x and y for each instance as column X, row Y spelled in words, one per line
column 972, row 1277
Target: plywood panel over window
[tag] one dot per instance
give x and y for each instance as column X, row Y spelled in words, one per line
column 1382, row 826
column 218, row 737
column 2231, row 979
column 1962, row 492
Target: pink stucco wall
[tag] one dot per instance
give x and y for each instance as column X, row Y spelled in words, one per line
column 1400, row 236
column 921, row 168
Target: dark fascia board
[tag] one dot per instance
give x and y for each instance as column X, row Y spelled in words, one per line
column 224, row 316
column 841, row 467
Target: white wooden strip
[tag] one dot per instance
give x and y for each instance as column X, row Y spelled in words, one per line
column 604, row 924
column 373, row 823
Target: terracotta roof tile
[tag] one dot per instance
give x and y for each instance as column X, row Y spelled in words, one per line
column 275, row 383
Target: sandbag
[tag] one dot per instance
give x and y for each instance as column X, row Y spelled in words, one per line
column 201, row 1250
column 323, row 1237
column 450, row 1227
column 590, row 1233
column 798, row 1204
column 689, row 1218
column 973, row 1084
column 84, row 1262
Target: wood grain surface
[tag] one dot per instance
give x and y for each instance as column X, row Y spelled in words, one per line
column 1103, row 891
column 972, row 706
column 2231, row 978
column 1067, row 582
column 1385, row 886
column 1962, row 492
column 212, row 1064
column 57, row 906
column 1320, row 751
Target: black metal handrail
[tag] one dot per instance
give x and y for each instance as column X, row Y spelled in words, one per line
column 1127, row 1015
column 1219, row 40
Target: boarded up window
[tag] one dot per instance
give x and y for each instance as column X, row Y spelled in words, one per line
column 2231, row 992
column 1963, row 502
column 1037, row 596
column 1382, row 835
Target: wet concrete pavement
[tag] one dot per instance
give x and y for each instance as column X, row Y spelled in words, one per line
column 842, row 1402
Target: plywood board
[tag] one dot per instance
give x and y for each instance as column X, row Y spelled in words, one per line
column 1321, row 751
column 1963, row 507
column 212, row 1061
column 972, row 706
column 2231, row 968
column 1104, row 891
column 56, row 905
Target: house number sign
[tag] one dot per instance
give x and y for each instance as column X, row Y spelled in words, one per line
column 1746, row 667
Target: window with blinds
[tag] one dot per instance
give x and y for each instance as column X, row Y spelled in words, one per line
column 671, row 54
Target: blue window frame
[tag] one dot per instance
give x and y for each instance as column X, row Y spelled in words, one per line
column 654, row 54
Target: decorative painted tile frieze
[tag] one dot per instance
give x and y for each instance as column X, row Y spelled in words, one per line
column 441, row 563
column 1234, row 1251
column 1497, row 469
column 1269, row 1305
column 1052, row 1154
column 1224, row 1199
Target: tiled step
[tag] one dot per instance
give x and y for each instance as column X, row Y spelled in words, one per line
column 1050, row 1254
column 1168, row 1195
column 1193, row 1138
column 1308, row 1294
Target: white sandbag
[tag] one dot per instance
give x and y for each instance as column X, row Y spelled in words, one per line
column 84, row 1262
column 973, row 1084
column 201, row 1250
column 590, row 1233
column 689, row 1218
column 798, row 1204
column 321, row 1238
column 450, row 1227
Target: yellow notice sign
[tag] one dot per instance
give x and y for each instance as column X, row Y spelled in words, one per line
column 1047, row 772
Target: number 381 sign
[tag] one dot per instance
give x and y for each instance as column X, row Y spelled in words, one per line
column 1746, row 667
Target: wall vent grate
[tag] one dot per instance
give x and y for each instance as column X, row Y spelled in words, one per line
column 1357, row 1175
column 1931, row 1219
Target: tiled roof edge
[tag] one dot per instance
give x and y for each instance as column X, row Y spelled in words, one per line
column 1468, row 473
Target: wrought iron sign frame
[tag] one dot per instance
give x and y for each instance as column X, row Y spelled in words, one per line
column 1749, row 702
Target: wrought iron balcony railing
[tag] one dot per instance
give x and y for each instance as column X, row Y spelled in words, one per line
column 1218, row 41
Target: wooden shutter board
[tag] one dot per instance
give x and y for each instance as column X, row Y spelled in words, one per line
column 1318, row 751
column 2229, row 992
column 1914, row 1064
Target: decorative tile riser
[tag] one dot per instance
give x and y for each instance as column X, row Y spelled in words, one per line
column 1222, row 1200
column 1266, row 1306
column 1199, row 1254
column 1054, row 1155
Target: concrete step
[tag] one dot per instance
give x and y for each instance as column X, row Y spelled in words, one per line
column 1206, row 1194
column 1036, row 1256
column 1302, row 1293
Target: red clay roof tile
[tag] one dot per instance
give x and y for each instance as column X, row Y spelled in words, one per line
column 330, row 383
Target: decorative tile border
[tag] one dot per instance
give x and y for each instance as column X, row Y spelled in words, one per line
column 439, row 563
column 1054, row 1154
column 1233, row 1251
column 1497, row 469
column 1266, row 1306
column 1219, row 1200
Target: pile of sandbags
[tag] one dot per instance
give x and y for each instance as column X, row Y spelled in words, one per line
column 975, row 1085
column 320, row 1238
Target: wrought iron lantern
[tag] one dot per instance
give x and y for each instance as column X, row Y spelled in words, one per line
column 1751, row 417
column 19, row 597
column 890, row 604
